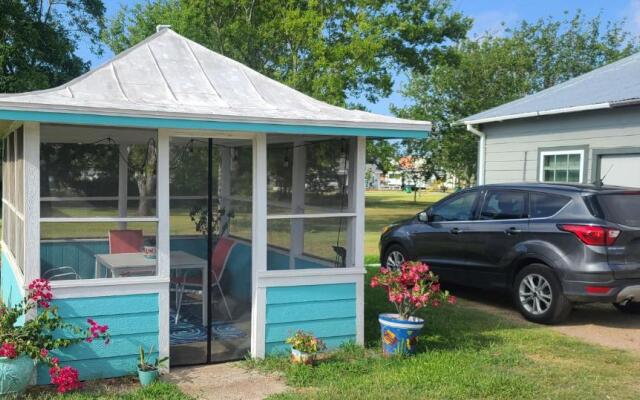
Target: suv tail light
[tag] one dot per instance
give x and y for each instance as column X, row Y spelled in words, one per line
column 592, row 235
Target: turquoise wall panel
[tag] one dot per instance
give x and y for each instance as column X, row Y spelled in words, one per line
column 328, row 311
column 133, row 322
column 12, row 291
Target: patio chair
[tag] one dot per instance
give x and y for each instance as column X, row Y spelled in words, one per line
column 125, row 241
column 185, row 284
column 61, row 273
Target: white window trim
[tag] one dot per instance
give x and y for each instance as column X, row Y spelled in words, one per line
column 561, row 152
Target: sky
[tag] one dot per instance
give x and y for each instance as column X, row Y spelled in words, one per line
column 488, row 15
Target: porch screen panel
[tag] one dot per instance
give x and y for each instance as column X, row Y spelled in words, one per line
column 98, row 202
column 13, row 195
column 308, row 202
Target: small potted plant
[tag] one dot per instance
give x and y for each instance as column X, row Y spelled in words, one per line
column 24, row 343
column 409, row 288
column 305, row 347
column 149, row 370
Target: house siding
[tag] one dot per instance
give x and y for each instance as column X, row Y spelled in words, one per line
column 328, row 311
column 12, row 290
column 511, row 152
column 132, row 321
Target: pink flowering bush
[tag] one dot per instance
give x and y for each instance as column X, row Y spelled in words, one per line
column 44, row 330
column 411, row 287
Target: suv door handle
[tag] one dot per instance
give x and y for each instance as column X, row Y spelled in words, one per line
column 455, row 231
column 512, row 231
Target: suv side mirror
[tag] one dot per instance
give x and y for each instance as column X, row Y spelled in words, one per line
column 424, row 216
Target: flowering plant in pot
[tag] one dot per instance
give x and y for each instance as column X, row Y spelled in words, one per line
column 409, row 288
column 305, row 347
column 24, row 344
column 148, row 370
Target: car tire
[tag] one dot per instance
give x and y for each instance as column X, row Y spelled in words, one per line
column 629, row 307
column 537, row 293
column 397, row 253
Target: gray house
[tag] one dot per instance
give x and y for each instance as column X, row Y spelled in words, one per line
column 583, row 130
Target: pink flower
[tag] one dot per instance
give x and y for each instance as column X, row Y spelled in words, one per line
column 8, row 350
column 66, row 378
column 44, row 353
column 40, row 292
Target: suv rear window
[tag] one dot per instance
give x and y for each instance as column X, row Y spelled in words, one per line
column 621, row 208
column 542, row 205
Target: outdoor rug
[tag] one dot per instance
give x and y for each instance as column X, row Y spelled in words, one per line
column 189, row 330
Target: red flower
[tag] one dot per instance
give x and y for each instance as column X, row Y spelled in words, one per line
column 44, row 353
column 66, row 378
column 8, row 350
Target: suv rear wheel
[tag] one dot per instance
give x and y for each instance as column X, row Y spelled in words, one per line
column 538, row 295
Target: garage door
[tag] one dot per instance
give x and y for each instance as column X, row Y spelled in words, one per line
column 620, row 170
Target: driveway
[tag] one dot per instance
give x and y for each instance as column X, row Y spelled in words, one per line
column 593, row 323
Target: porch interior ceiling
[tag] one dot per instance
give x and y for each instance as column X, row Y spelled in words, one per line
column 168, row 76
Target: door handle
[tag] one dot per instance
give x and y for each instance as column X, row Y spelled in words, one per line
column 455, row 231
column 512, row 231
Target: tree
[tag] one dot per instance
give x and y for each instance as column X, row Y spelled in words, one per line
column 495, row 70
column 331, row 50
column 382, row 153
column 38, row 40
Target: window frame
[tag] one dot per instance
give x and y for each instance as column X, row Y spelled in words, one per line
column 542, row 153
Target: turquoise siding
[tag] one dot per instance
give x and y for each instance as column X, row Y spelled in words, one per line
column 133, row 322
column 12, row 291
column 328, row 311
column 147, row 122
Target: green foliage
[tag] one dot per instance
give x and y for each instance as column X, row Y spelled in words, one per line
column 38, row 40
column 494, row 70
column 306, row 342
column 147, row 364
column 328, row 49
column 382, row 153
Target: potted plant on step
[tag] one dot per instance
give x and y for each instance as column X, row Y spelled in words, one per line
column 148, row 370
column 29, row 331
column 409, row 288
column 305, row 347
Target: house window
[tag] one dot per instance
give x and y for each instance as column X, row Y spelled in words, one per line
column 562, row 166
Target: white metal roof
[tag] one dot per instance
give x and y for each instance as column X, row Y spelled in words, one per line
column 170, row 76
column 616, row 84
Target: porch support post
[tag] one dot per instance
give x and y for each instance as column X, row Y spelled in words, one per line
column 163, row 240
column 224, row 184
column 357, row 164
column 123, row 180
column 31, row 185
column 297, row 201
column 259, row 244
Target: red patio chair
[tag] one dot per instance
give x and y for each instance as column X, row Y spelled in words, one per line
column 125, row 241
column 219, row 258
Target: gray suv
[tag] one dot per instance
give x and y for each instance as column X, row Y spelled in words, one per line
column 550, row 245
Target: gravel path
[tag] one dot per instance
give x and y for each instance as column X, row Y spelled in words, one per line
column 226, row 381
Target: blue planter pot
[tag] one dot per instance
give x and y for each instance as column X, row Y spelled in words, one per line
column 15, row 374
column 147, row 377
column 399, row 336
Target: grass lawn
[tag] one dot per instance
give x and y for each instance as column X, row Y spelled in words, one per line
column 465, row 353
column 121, row 389
column 385, row 207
